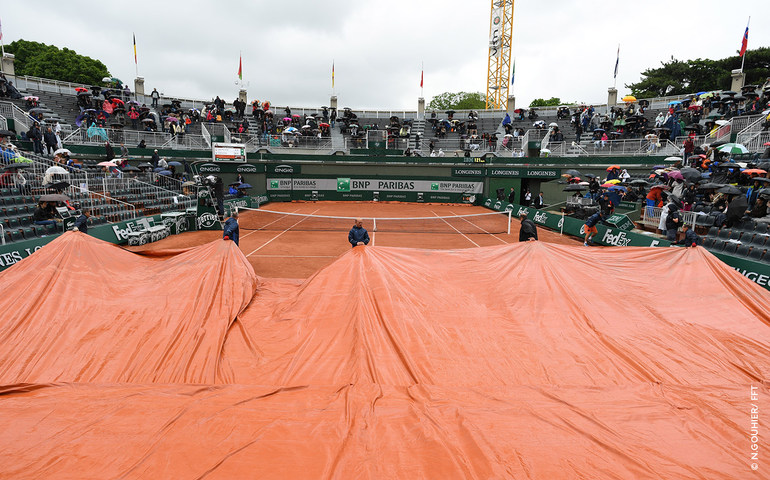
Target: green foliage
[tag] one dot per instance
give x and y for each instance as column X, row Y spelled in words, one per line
column 48, row 61
column 551, row 102
column 458, row 101
column 677, row 77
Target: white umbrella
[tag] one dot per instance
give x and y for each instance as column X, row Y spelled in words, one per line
column 673, row 159
column 722, row 122
column 56, row 170
column 553, row 124
column 106, row 164
column 62, row 151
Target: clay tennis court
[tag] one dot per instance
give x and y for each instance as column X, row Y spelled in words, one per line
column 295, row 246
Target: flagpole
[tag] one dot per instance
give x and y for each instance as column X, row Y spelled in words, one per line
column 743, row 57
column 422, row 74
column 332, row 77
column 617, row 62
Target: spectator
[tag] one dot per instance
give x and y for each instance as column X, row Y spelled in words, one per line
column 123, row 151
column 231, row 228
column 512, row 196
column 142, row 144
column 690, row 239
column 759, row 209
column 527, row 198
column 155, row 158
column 528, row 229
column 162, row 163
column 358, row 235
column 51, row 141
column 36, row 137
column 109, row 151
column 43, row 214
column 155, row 97
column 673, row 220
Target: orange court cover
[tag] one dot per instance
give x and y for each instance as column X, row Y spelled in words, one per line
column 523, row 361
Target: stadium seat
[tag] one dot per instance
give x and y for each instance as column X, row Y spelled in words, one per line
column 713, row 232
column 759, row 240
column 719, row 245
column 756, row 253
column 761, row 227
column 15, row 191
column 51, row 229
column 724, row 234
column 28, row 233
column 16, row 236
column 735, row 234
column 40, row 230
column 4, row 192
column 13, row 223
column 748, row 225
column 11, row 211
column 743, row 250
column 25, row 220
column 708, row 243
column 730, row 247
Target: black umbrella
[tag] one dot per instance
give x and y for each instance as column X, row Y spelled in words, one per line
column 54, row 197
column 131, row 168
column 15, row 166
column 7, row 133
column 589, row 175
column 718, row 144
column 58, row 185
column 690, row 174
column 145, row 165
column 729, row 92
column 638, row 181
column 573, row 172
column 761, row 179
column 84, row 94
column 730, row 190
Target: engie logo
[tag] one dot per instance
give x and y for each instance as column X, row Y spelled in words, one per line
column 246, row 169
column 619, row 240
column 283, row 169
column 540, row 217
column 210, row 168
column 207, row 220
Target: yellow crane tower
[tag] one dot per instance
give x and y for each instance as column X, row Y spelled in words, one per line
column 499, row 66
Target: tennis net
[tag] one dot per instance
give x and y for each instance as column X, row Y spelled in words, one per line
column 268, row 220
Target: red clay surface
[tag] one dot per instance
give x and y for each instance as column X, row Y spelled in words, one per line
column 299, row 254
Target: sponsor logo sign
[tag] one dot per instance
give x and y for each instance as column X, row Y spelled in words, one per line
column 343, row 184
column 207, row 221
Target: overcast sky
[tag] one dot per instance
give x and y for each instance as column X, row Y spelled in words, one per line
column 565, row 49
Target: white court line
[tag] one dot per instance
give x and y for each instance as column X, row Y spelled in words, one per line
column 373, row 234
column 296, row 256
column 494, row 235
column 456, row 230
column 289, row 228
column 261, row 230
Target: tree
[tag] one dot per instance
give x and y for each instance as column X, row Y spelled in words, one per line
column 458, row 101
column 48, row 61
column 551, row 102
column 677, row 77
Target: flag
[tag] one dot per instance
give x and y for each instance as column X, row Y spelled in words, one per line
column 1, row 30
column 617, row 61
column 422, row 76
column 332, row 74
column 240, row 67
column 513, row 71
column 135, row 60
column 745, row 42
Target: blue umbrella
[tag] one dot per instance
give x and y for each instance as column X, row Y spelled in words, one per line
column 617, row 188
column 164, row 172
column 243, row 185
column 175, row 163
column 158, row 169
column 675, row 102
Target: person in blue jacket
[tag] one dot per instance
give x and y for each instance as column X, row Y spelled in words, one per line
column 358, row 234
column 231, row 229
column 690, row 239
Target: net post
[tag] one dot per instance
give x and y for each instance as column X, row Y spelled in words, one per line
column 509, row 221
column 374, row 224
column 561, row 230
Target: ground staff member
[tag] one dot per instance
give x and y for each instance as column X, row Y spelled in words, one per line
column 358, row 234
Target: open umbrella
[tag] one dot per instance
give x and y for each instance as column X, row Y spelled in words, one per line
column 761, row 179
column 613, row 167
column 106, row 164
column 243, row 186
column 54, row 197
column 664, row 187
column 730, row 190
column 574, row 188
column 709, row 186
column 638, row 181
column 172, row 119
column 572, row 173
column 145, row 165
column 62, row 151
column 57, row 170
column 607, row 184
column 15, row 166
column 589, row 175
column 553, row 124
column 81, row 89
column 31, row 97
column 733, row 148
column 131, row 168
column 188, row 184
column 729, row 93
column 617, row 188
column 672, row 159
column 165, row 172
column 754, row 171
column 148, row 120
column 676, row 175
column 690, row 174
column 175, row 163
column 629, row 98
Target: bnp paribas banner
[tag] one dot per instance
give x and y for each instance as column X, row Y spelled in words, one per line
column 374, row 185
column 756, row 272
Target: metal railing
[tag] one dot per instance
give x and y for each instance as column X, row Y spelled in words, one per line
column 19, row 116
column 757, row 141
column 206, row 135
column 651, row 217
